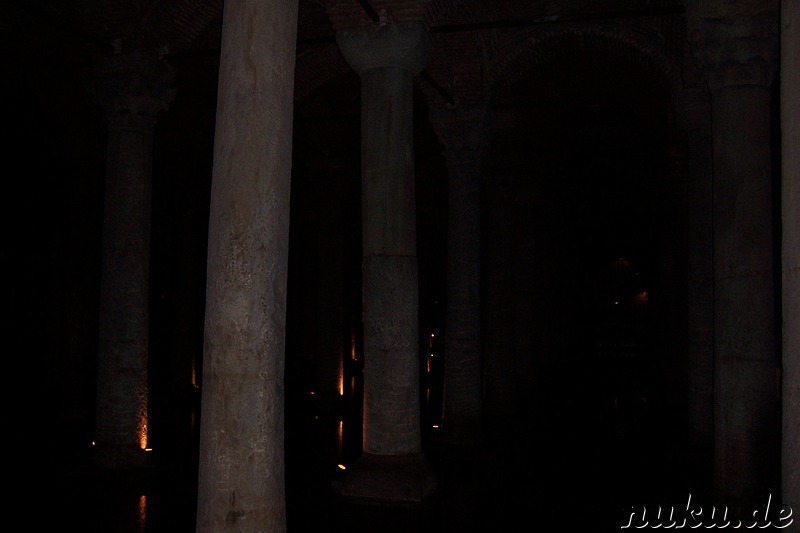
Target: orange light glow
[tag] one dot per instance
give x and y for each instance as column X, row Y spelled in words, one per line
column 340, row 380
column 142, row 432
column 435, row 426
column 339, row 439
column 194, row 373
column 142, row 512
column 640, row 300
column 341, row 466
column 141, row 414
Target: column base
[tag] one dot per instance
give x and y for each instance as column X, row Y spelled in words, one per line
column 388, row 480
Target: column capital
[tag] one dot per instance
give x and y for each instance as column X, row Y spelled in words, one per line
column 464, row 131
column 736, row 44
column 403, row 45
column 132, row 88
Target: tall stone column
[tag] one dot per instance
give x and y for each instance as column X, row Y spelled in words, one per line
column 695, row 118
column 132, row 88
column 790, row 121
column 328, row 289
column 329, row 303
column 462, row 133
column 499, row 339
column 737, row 44
column 241, row 479
column 387, row 56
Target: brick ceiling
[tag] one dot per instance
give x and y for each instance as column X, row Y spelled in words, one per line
column 474, row 41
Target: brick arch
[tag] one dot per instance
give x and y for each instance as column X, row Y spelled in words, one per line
column 315, row 68
column 520, row 54
column 443, row 11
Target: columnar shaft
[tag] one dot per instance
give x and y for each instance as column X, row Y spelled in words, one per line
column 241, row 464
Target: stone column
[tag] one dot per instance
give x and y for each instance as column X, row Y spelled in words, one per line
column 329, row 302
column 132, row 88
column 241, row 479
column 462, row 133
column 499, row 275
column 386, row 57
column 695, row 118
column 738, row 46
column 790, row 121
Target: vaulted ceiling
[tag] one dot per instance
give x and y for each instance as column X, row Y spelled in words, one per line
column 583, row 95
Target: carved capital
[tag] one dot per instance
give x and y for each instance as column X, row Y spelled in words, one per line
column 464, row 131
column 735, row 44
column 404, row 45
column 132, row 88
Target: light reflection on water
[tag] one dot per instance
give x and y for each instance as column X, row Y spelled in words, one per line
column 142, row 513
